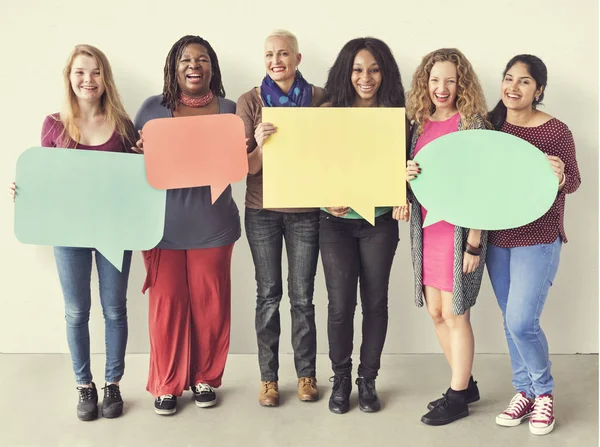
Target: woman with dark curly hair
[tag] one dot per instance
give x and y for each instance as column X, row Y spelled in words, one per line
column 365, row 74
column 448, row 261
column 188, row 273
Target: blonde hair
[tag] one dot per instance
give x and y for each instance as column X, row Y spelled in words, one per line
column 110, row 101
column 291, row 38
column 470, row 100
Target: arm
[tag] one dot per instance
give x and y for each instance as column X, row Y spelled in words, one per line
column 572, row 177
column 50, row 132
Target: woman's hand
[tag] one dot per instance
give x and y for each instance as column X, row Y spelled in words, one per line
column 262, row 132
column 401, row 212
column 470, row 263
column 338, row 211
column 139, row 148
column 412, row 170
column 12, row 190
column 557, row 166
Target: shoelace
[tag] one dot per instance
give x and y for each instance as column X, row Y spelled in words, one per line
column 366, row 385
column 204, row 388
column 308, row 381
column 111, row 391
column 269, row 385
column 338, row 381
column 542, row 409
column 442, row 403
column 163, row 397
column 516, row 406
column 85, row 393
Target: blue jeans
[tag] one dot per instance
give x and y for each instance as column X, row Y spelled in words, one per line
column 266, row 230
column 521, row 278
column 74, row 271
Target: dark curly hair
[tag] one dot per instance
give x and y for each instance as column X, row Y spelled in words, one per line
column 171, row 86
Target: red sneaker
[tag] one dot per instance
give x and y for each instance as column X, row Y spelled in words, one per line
column 519, row 408
column 542, row 418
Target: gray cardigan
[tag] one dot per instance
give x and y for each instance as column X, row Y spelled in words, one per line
column 466, row 287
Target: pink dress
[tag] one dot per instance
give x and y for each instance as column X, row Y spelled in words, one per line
column 438, row 239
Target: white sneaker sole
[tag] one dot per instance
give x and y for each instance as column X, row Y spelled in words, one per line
column 209, row 404
column 511, row 422
column 541, row 430
column 165, row 412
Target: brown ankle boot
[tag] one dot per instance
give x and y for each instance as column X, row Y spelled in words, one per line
column 269, row 394
column 307, row 389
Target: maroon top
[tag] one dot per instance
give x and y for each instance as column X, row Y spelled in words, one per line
column 552, row 138
column 52, row 136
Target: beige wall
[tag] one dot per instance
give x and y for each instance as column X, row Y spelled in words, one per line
column 37, row 36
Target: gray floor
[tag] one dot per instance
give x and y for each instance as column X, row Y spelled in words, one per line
column 38, row 407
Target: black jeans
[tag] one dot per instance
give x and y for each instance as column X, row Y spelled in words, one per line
column 353, row 249
column 266, row 231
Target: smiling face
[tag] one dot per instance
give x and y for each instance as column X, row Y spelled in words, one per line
column 86, row 80
column 194, row 70
column 519, row 89
column 366, row 76
column 443, row 85
column 280, row 59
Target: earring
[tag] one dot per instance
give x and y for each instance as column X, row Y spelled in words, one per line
column 537, row 98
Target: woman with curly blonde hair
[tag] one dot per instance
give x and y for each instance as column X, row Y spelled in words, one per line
column 448, row 261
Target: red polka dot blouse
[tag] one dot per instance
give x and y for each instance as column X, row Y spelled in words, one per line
column 552, row 138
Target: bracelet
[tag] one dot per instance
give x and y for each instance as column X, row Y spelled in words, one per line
column 472, row 250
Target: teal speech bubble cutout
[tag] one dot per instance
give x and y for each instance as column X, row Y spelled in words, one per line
column 83, row 198
column 484, row 179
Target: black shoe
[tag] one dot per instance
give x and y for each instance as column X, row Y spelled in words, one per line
column 472, row 395
column 112, row 404
column 204, row 395
column 451, row 408
column 339, row 402
column 87, row 408
column 165, row 405
column 367, row 395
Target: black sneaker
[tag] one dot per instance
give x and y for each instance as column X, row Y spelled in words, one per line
column 87, row 408
column 165, row 405
column 204, row 395
column 112, row 404
column 339, row 402
column 472, row 395
column 367, row 395
column 451, row 408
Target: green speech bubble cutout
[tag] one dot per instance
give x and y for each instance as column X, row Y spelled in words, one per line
column 484, row 179
column 81, row 198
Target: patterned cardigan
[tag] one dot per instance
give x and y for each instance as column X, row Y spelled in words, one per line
column 466, row 287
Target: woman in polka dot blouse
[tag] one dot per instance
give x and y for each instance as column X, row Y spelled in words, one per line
column 522, row 262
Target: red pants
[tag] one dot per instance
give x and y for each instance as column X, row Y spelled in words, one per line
column 189, row 317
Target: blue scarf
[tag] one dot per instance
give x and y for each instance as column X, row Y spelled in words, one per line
column 300, row 95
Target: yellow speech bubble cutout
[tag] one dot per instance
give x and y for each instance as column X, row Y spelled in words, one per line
column 324, row 157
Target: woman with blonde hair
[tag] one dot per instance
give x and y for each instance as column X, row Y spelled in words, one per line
column 267, row 229
column 448, row 261
column 93, row 119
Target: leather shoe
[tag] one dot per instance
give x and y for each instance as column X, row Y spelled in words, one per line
column 269, row 394
column 307, row 389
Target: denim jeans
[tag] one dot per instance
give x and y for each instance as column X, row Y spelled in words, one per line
column 266, row 230
column 521, row 278
column 74, row 271
column 353, row 249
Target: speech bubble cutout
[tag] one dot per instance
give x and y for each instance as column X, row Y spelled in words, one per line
column 324, row 157
column 484, row 179
column 185, row 152
column 82, row 198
